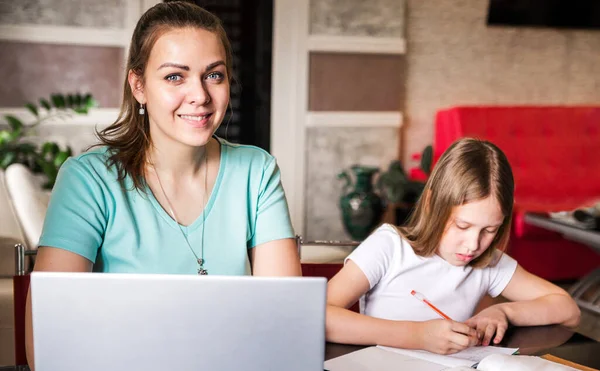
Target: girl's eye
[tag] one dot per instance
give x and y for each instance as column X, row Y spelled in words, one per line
column 491, row 232
column 173, row 77
column 216, row 76
column 462, row 227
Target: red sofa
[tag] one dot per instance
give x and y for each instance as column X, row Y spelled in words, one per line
column 554, row 152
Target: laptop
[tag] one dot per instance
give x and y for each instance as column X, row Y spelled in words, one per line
column 126, row 322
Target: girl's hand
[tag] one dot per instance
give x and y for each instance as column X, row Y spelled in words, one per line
column 445, row 336
column 490, row 321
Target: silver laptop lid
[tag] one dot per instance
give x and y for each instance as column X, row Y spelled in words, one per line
column 125, row 322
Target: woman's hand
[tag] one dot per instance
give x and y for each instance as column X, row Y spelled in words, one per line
column 445, row 336
column 490, row 321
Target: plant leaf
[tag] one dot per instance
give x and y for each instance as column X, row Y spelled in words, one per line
column 427, row 159
column 55, row 100
column 14, row 122
column 45, row 104
column 70, row 100
column 89, row 101
column 58, row 100
column 32, row 108
column 62, row 100
column 49, row 148
column 26, row 148
column 5, row 137
column 60, row 158
column 8, row 159
column 47, row 168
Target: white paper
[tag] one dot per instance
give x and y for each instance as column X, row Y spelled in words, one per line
column 468, row 357
column 501, row 362
column 377, row 359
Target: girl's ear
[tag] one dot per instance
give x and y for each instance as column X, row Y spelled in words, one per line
column 137, row 86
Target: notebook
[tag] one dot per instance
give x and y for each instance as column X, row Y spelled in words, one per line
column 469, row 357
column 381, row 358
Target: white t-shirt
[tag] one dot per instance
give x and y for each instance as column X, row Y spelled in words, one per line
column 394, row 270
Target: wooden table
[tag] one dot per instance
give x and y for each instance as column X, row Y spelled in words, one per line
column 555, row 340
column 552, row 340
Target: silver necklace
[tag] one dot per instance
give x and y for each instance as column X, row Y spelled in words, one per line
column 199, row 259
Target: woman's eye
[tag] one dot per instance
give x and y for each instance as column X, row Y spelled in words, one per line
column 491, row 232
column 215, row 76
column 173, row 77
column 462, row 227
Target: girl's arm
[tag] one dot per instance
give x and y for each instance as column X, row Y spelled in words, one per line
column 276, row 258
column 345, row 326
column 534, row 302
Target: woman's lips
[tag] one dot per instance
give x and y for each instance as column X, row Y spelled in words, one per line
column 197, row 121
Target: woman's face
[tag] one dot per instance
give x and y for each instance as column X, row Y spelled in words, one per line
column 185, row 87
column 470, row 231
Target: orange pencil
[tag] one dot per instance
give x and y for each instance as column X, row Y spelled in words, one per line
column 420, row 296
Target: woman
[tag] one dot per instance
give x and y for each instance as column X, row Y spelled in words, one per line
column 163, row 194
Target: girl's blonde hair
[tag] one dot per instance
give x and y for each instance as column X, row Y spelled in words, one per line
column 469, row 170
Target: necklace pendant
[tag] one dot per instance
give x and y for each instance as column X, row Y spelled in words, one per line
column 202, row 271
column 201, row 262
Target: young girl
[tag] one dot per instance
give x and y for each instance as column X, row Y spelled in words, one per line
column 451, row 253
column 164, row 194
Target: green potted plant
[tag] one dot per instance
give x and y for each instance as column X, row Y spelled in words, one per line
column 17, row 146
column 402, row 191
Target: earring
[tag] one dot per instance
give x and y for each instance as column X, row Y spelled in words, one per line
column 142, row 111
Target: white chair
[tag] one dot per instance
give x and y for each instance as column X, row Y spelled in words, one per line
column 29, row 200
column 9, row 226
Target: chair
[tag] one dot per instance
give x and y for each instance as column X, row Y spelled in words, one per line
column 29, row 201
column 324, row 258
column 20, row 288
column 10, row 234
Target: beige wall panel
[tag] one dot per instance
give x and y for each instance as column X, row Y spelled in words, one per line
column 356, row 82
column 30, row 71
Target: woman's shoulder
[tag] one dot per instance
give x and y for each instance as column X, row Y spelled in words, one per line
column 94, row 156
column 245, row 153
column 91, row 163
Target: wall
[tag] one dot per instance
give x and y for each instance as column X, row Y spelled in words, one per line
column 453, row 59
column 33, row 69
column 50, row 46
column 351, row 82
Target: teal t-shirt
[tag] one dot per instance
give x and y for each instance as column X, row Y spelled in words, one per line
column 127, row 231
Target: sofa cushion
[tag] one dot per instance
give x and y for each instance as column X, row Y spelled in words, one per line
column 525, row 230
column 551, row 149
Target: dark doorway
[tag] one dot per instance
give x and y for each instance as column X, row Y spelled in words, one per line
column 249, row 25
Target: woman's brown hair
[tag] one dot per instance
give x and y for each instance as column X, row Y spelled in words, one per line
column 128, row 138
column 469, row 170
